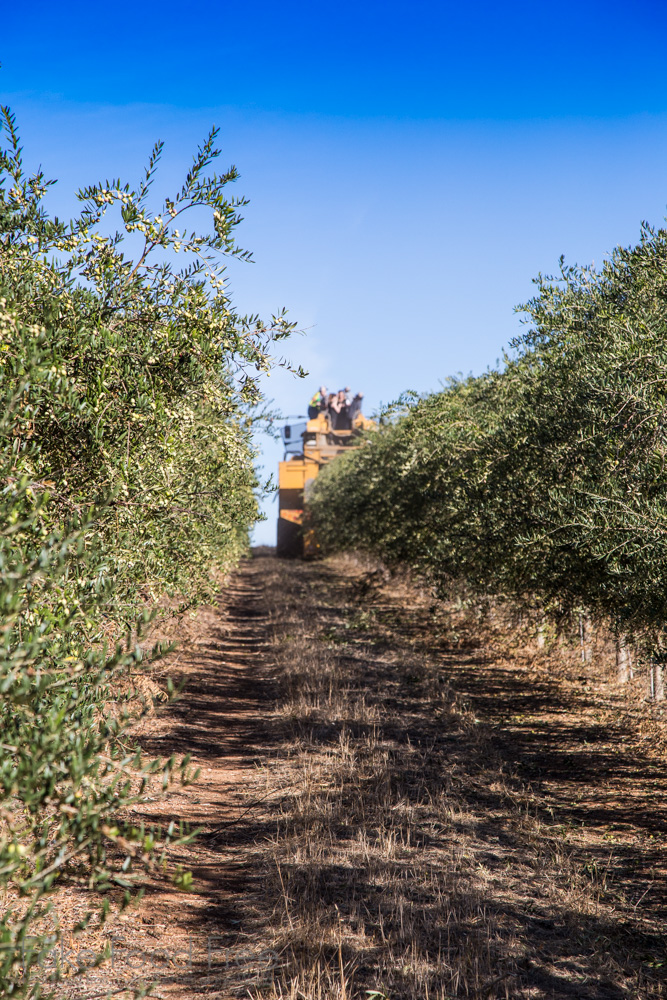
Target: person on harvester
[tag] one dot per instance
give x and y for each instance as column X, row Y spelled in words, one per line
column 317, row 403
column 339, row 413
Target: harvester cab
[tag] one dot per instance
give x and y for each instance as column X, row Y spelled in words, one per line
column 309, row 445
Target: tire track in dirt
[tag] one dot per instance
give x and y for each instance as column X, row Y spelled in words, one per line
column 191, row 942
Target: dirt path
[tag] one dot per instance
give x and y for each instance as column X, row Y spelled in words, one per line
column 185, row 942
column 400, row 798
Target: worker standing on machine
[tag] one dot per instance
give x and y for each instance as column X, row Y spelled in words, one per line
column 317, row 403
column 354, row 409
column 341, row 420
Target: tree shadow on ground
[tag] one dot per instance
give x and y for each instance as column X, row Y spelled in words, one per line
column 429, row 857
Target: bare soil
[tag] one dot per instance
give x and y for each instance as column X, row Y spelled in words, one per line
column 398, row 799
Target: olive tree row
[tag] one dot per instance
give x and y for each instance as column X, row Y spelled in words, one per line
column 545, row 481
column 127, row 392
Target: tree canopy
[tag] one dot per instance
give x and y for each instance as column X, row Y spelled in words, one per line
column 128, row 386
column 546, row 480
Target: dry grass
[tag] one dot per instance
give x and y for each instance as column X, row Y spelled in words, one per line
column 434, row 806
column 408, row 858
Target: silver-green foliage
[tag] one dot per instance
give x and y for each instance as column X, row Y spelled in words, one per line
column 546, row 480
column 127, row 388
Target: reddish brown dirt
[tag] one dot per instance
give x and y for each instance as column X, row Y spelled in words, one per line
column 183, row 940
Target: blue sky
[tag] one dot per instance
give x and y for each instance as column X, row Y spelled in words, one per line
column 410, row 168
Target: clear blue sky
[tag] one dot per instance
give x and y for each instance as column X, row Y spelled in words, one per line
column 410, row 168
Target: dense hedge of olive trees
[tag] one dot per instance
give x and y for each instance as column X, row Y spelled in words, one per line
column 546, row 481
column 127, row 392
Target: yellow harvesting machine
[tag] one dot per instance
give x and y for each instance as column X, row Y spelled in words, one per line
column 308, row 446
